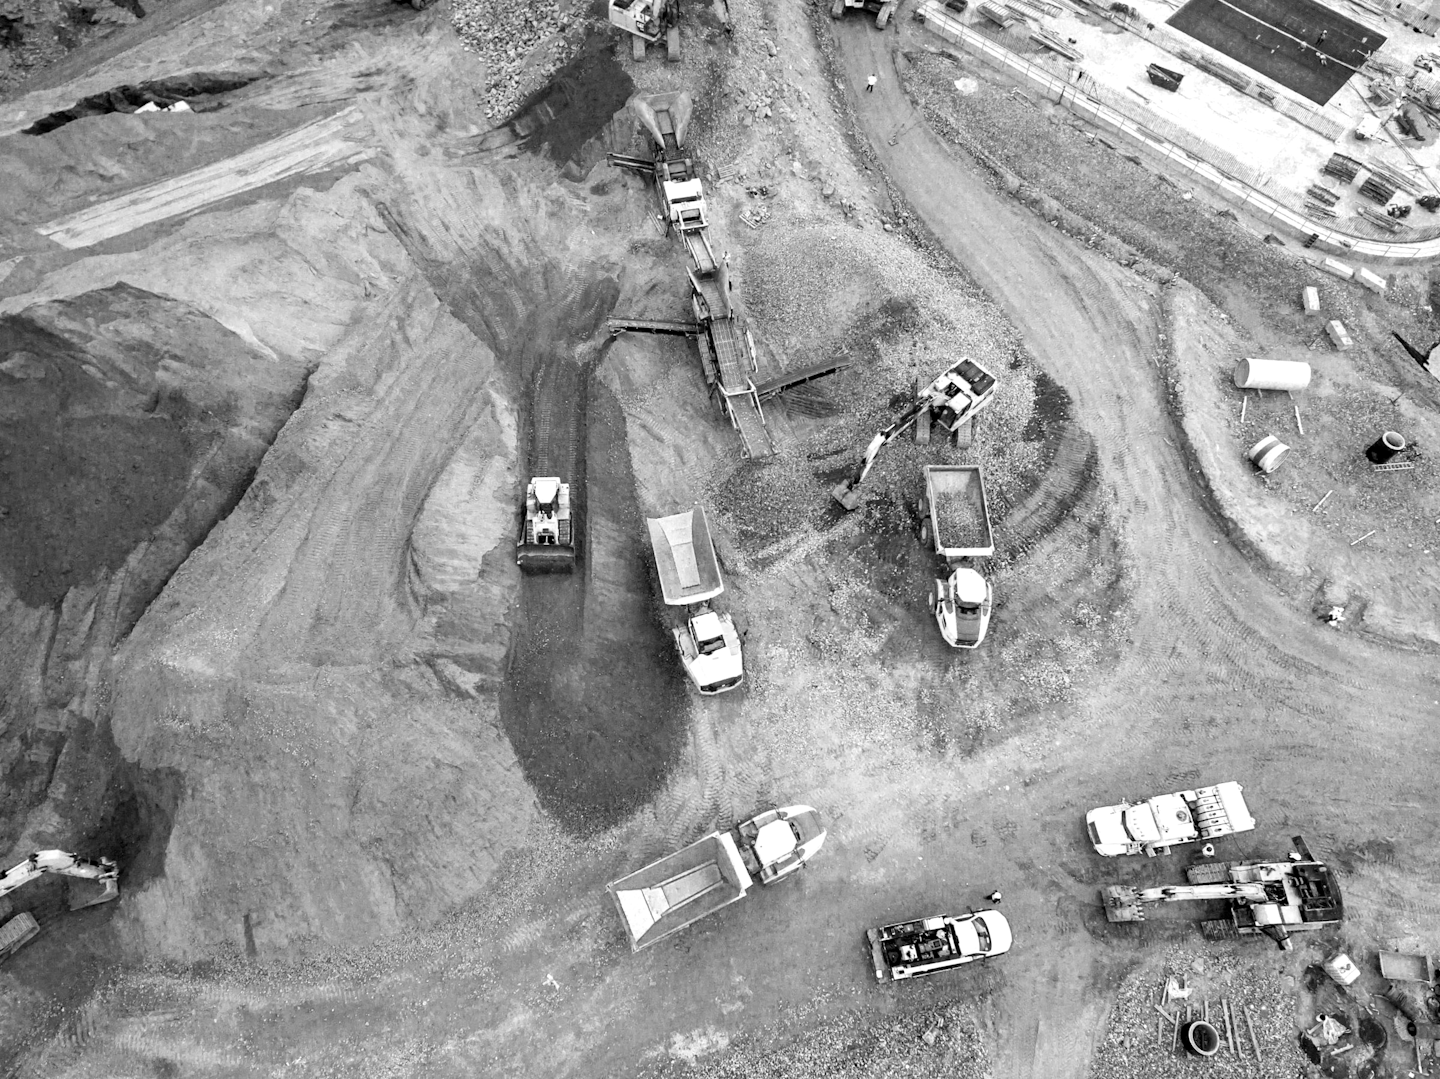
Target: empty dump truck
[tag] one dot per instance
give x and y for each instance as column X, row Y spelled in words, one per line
column 1156, row 824
column 714, row 871
column 707, row 641
column 955, row 517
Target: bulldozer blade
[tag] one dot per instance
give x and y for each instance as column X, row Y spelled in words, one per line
column 112, row 891
column 545, row 558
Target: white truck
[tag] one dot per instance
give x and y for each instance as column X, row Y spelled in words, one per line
column 707, row 641
column 955, row 516
column 1156, row 824
column 714, row 871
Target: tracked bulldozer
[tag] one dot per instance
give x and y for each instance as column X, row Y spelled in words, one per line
column 547, row 537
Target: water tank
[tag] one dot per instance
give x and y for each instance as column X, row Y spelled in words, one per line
column 1272, row 375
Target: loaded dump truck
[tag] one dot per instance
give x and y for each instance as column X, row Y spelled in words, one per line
column 1156, row 824
column 1275, row 899
column 707, row 641
column 714, row 871
column 955, row 517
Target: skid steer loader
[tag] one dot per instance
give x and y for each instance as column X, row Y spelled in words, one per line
column 547, row 537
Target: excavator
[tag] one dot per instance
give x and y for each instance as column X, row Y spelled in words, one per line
column 547, row 538
column 954, row 399
column 1275, row 899
column 647, row 21
column 15, row 933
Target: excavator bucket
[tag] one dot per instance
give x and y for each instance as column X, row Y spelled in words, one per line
column 665, row 116
column 545, row 558
column 847, row 494
column 82, row 895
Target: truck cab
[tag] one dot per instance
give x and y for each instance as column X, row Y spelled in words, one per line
column 710, row 652
column 962, row 608
column 778, row 842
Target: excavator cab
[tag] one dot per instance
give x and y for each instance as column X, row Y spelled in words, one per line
column 647, row 21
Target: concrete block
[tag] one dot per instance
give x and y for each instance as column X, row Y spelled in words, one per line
column 1374, row 282
column 1310, row 297
column 1339, row 335
column 1339, row 269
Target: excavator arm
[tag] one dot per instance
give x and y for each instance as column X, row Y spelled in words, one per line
column 62, row 862
column 847, row 493
column 1126, row 904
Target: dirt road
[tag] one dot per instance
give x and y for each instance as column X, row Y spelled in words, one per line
column 1228, row 674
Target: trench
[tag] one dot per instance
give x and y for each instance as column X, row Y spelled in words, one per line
column 593, row 698
column 198, row 89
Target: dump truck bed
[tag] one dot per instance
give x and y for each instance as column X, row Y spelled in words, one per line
column 959, row 511
column 685, row 557
column 680, row 888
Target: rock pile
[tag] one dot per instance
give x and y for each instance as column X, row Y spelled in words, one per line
column 522, row 44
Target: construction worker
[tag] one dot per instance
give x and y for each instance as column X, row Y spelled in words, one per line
column 870, row 83
column 993, row 897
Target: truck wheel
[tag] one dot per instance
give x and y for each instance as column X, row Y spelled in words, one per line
column 925, row 531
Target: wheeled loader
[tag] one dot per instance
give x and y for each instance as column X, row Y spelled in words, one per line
column 882, row 9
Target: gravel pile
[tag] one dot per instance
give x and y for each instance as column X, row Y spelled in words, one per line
column 932, row 1042
column 958, row 518
column 521, row 44
column 1139, row 1044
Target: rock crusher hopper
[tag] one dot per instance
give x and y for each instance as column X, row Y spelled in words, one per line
column 1275, row 899
column 952, row 401
column 881, row 9
column 708, row 644
column 547, row 536
column 647, row 21
column 955, row 516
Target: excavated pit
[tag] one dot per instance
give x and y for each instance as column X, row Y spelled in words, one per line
column 199, row 90
column 593, row 698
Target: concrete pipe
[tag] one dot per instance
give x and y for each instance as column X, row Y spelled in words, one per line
column 1385, row 447
column 1202, row 1039
column 1272, row 375
column 1267, row 453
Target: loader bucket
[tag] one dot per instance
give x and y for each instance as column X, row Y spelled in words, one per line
column 79, row 901
column 545, row 558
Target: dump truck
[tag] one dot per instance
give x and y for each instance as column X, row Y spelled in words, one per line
column 716, row 870
column 955, row 518
column 547, row 533
column 881, row 9
column 1275, row 899
column 1154, row 825
column 689, row 572
column 953, row 401
column 930, row 945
